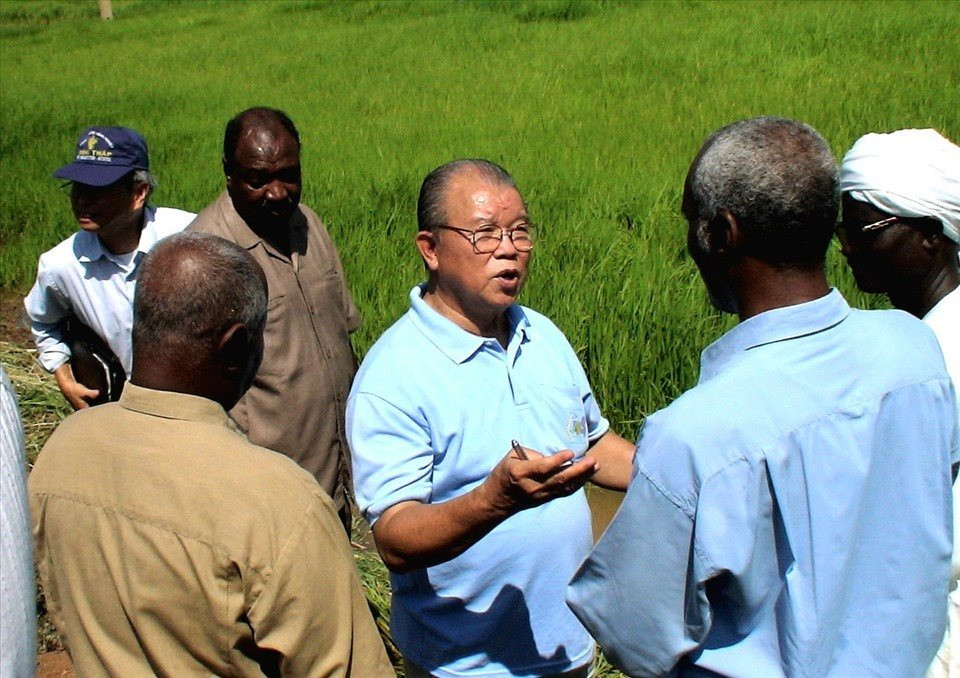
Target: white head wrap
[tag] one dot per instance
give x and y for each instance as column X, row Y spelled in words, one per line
column 908, row 173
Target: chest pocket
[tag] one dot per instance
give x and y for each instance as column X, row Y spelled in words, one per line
column 276, row 336
column 556, row 419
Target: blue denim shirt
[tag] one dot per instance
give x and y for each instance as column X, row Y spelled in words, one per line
column 791, row 514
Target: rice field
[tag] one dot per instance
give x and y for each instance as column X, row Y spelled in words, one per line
column 596, row 107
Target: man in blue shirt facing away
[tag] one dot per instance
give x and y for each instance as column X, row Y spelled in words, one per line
column 790, row 515
column 480, row 540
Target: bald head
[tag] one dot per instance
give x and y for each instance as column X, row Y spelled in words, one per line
column 431, row 205
column 257, row 120
column 192, row 288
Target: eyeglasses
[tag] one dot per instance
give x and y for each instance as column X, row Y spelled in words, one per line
column 488, row 239
column 845, row 232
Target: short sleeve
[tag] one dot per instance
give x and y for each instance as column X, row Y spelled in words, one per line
column 392, row 455
column 597, row 424
column 639, row 593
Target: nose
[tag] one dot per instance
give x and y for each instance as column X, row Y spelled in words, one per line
column 277, row 191
column 506, row 249
column 843, row 239
column 846, row 245
column 80, row 196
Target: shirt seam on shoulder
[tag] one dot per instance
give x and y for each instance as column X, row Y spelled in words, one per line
column 846, row 404
column 667, row 494
column 379, row 397
column 154, row 523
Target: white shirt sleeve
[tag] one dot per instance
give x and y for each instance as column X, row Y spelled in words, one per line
column 47, row 306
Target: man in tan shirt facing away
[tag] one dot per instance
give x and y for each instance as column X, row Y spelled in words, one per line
column 167, row 544
column 297, row 401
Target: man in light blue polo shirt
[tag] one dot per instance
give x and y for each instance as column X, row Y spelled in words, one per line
column 790, row 515
column 480, row 540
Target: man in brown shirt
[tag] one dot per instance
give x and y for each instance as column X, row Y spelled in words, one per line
column 297, row 401
column 169, row 545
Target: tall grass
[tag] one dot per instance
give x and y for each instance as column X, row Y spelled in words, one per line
column 596, row 107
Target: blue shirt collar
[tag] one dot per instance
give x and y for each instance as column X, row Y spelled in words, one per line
column 780, row 324
column 89, row 248
column 454, row 341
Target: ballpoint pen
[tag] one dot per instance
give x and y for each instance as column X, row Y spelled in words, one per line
column 519, row 450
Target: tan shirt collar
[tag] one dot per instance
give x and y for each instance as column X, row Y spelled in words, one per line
column 172, row 405
column 244, row 236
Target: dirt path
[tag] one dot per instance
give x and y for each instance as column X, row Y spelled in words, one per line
column 54, row 665
column 13, row 318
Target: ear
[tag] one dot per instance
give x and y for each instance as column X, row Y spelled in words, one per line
column 723, row 233
column 233, row 352
column 140, row 194
column 931, row 242
column 427, row 243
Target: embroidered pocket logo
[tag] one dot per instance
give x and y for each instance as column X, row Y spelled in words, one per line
column 576, row 428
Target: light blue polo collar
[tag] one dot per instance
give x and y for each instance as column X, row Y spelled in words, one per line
column 89, row 248
column 780, row 324
column 454, row 341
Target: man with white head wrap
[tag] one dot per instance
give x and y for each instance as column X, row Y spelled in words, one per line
column 900, row 229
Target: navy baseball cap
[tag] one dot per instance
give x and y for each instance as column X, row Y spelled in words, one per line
column 105, row 155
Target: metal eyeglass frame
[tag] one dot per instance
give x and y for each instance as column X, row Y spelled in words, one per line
column 844, row 233
column 487, row 234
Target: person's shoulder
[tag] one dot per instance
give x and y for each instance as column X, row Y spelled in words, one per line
column 169, row 220
column 400, row 339
column 312, row 218
column 68, row 440
column 894, row 341
column 210, row 219
column 244, row 472
column 538, row 320
column 273, row 479
column 316, row 225
column 544, row 328
column 395, row 357
column 65, row 254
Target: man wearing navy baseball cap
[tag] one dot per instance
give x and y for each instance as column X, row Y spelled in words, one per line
column 81, row 307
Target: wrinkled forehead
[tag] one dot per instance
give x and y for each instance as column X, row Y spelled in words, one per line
column 266, row 142
column 857, row 211
column 472, row 195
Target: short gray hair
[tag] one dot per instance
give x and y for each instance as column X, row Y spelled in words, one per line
column 192, row 287
column 430, row 208
column 778, row 178
column 142, row 176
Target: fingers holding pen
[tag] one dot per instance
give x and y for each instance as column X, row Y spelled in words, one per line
column 526, row 478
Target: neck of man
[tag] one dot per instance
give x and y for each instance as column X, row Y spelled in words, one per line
column 164, row 371
column 279, row 238
column 760, row 286
column 919, row 295
column 491, row 324
column 125, row 239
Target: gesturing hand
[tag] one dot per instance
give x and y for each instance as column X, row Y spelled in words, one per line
column 516, row 484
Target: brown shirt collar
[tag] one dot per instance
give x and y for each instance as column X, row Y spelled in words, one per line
column 172, row 405
column 244, row 236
